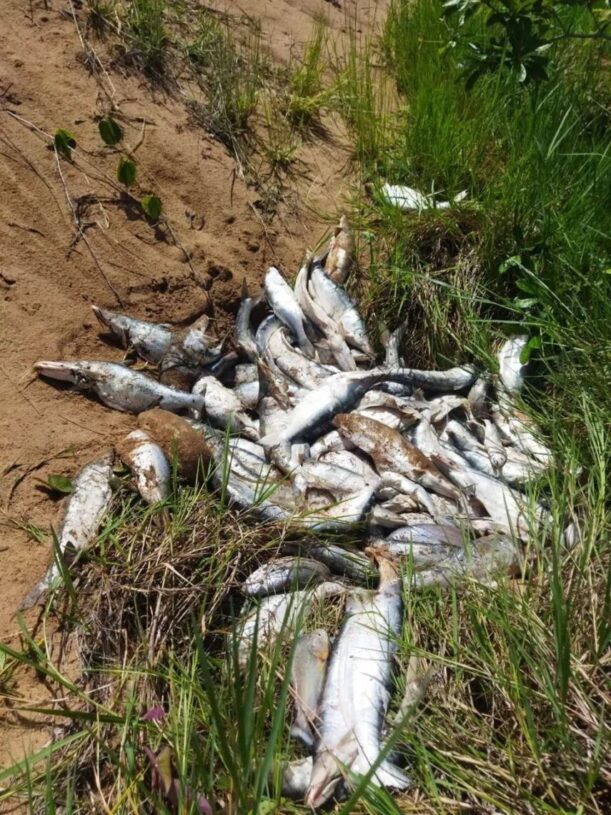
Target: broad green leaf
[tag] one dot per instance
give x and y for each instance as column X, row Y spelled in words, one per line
column 110, row 131
column 60, row 483
column 152, row 206
column 126, row 171
column 64, row 142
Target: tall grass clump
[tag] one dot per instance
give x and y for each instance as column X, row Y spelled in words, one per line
column 148, row 37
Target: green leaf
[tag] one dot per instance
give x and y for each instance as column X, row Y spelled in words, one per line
column 64, row 143
column 152, row 206
column 126, row 171
column 110, row 131
column 60, row 483
column 532, row 344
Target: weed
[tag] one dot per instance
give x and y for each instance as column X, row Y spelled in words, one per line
column 307, row 94
column 148, row 38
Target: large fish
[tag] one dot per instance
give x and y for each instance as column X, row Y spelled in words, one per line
column 307, row 677
column 282, row 300
column 356, row 692
column 341, row 309
column 85, row 509
column 151, row 341
column 390, row 451
column 119, row 387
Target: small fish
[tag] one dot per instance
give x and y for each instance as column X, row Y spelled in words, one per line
column 243, row 335
column 355, row 696
column 430, row 533
column 339, row 255
column 283, row 574
column 341, row 309
column 494, row 445
column 307, row 676
column 511, row 370
column 119, row 387
column 149, row 340
column 148, row 465
column 282, row 300
column 85, row 509
column 520, row 431
column 390, row 451
column 277, row 616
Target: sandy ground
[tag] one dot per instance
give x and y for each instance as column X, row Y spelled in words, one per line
column 50, row 275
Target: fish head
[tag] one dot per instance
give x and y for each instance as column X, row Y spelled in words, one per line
column 78, row 373
column 319, row 644
column 329, row 769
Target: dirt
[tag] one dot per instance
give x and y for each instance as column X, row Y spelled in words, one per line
column 51, row 272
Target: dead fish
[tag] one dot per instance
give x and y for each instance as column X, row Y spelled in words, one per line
column 344, row 560
column 511, row 370
column 329, row 443
column 307, row 677
column 148, row 465
column 244, row 373
column 521, row 432
column 415, row 556
column 282, row 300
column 392, row 343
column 429, row 533
column 223, row 409
column 485, row 560
column 401, row 483
column 494, row 445
column 277, row 616
column 243, row 335
column 182, row 441
column 390, row 451
column 295, row 777
column 339, row 255
column 248, row 394
column 119, row 387
column 322, row 321
column 149, row 340
column 283, row 574
column 342, row 513
column 478, row 395
column 341, row 309
column 504, row 505
column 85, row 509
column 355, row 695
column 278, row 351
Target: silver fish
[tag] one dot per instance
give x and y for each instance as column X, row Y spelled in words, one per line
column 278, row 616
column 511, row 370
column 329, row 443
column 405, row 485
column 341, row 309
column 307, row 677
column 248, row 393
column 325, row 324
column 355, row 695
column 478, row 395
column 342, row 513
column 339, row 255
column 485, row 560
column 85, row 509
column 284, row 573
column 417, row 555
column 149, row 340
column 282, row 300
column 430, row 533
column 244, row 373
column 223, row 408
column 119, row 387
column 148, row 465
column 295, row 777
column 521, row 432
column 392, row 343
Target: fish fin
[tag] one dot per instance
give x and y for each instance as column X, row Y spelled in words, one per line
column 329, row 769
column 388, row 775
column 245, row 292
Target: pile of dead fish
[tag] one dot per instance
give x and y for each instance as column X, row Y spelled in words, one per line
column 296, row 421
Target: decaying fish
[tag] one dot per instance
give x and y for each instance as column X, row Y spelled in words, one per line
column 223, row 409
column 85, row 509
column 119, row 387
column 339, row 256
column 243, row 334
column 511, row 369
column 485, row 560
column 283, row 574
column 344, row 560
column 392, row 452
column 307, row 676
column 148, row 464
column 151, row 341
column 355, row 695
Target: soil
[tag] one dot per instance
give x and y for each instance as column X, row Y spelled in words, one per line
column 51, row 273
